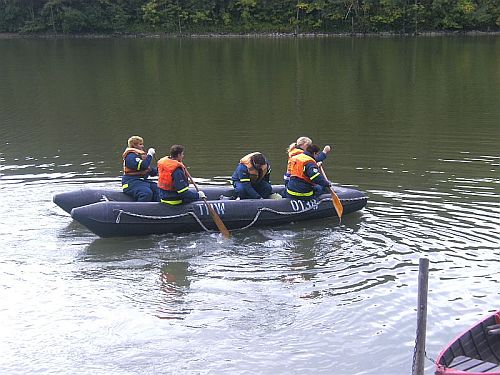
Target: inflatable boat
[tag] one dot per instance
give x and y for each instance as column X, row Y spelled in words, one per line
column 111, row 213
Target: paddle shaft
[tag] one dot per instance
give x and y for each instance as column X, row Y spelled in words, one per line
column 216, row 218
column 335, row 199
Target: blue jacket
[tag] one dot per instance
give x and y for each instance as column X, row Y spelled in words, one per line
column 241, row 173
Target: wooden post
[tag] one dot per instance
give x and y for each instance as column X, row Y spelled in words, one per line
column 423, row 282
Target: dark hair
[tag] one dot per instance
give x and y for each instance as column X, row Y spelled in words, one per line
column 176, row 150
column 313, row 149
column 259, row 159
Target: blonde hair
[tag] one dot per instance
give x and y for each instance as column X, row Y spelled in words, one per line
column 134, row 140
column 301, row 142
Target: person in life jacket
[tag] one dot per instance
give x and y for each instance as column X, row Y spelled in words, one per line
column 251, row 177
column 136, row 170
column 173, row 181
column 298, row 147
column 306, row 180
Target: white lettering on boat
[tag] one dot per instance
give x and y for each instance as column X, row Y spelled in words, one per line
column 200, row 206
column 300, row 205
column 219, row 207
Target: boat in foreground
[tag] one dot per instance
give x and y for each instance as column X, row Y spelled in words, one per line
column 109, row 213
column 476, row 351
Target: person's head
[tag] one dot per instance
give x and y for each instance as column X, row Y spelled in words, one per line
column 303, row 142
column 313, row 149
column 177, row 152
column 136, row 142
column 258, row 159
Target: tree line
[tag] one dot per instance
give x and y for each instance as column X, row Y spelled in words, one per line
column 247, row 16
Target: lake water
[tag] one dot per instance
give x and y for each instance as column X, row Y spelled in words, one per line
column 414, row 123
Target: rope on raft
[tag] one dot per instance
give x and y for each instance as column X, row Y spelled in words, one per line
column 259, row 211
column 120, row 212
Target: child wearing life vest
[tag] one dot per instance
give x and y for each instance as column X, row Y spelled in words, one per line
column 306, row 180
column 136, row 170
column 251, row 177
column 173, row 182
column 298, row 147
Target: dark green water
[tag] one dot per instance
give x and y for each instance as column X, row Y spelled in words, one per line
column 413, row 122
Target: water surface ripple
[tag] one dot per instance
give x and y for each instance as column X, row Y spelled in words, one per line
column 315, row 297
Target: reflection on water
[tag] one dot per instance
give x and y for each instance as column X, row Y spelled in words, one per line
column 317, row 296
column 174, row 282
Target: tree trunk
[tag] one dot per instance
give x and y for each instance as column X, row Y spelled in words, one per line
column 297, row 21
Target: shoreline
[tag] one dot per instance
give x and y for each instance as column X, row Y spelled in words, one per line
column 244, row 35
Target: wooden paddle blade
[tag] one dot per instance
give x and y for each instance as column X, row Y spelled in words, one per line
column 217, row 220
column 335, row 198
column 337, row 204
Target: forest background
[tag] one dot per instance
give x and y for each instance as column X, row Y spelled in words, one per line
column 247, row 16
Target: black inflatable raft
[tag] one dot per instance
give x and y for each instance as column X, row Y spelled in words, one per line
column 110, row 213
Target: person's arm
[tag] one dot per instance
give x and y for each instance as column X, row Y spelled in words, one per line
column 135, row 162
column 146, row 163
column 322, row 155
column 244, row 178
column 182, row 185
column 312, row 171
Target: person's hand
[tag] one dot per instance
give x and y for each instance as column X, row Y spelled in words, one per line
column 202, row 195
column 327, row 149
column 151, row 151
column 319, row 163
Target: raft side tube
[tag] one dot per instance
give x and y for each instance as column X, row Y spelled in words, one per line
column 108, row 219
column 84, row 196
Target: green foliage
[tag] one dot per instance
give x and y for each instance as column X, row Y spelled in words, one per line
column 181, row 16
column 72, row 21
column 151, row 14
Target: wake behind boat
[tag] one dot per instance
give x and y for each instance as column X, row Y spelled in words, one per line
column 110, row 213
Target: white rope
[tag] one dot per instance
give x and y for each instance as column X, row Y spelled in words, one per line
column 120, row 212
column 259, row 211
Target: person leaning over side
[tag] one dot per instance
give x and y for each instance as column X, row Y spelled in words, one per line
column 306, row 181
column 173, row 182
column 136, row 170
column 298, row 147
column 251, row 177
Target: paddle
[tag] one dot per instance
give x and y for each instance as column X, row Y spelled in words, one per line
column 215, row 217
column 335, row 199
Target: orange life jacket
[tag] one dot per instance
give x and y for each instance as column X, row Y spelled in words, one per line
column 294, row 151
column 255, row 174
column 134, row 172
column 298, row 166
column 166, row 169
